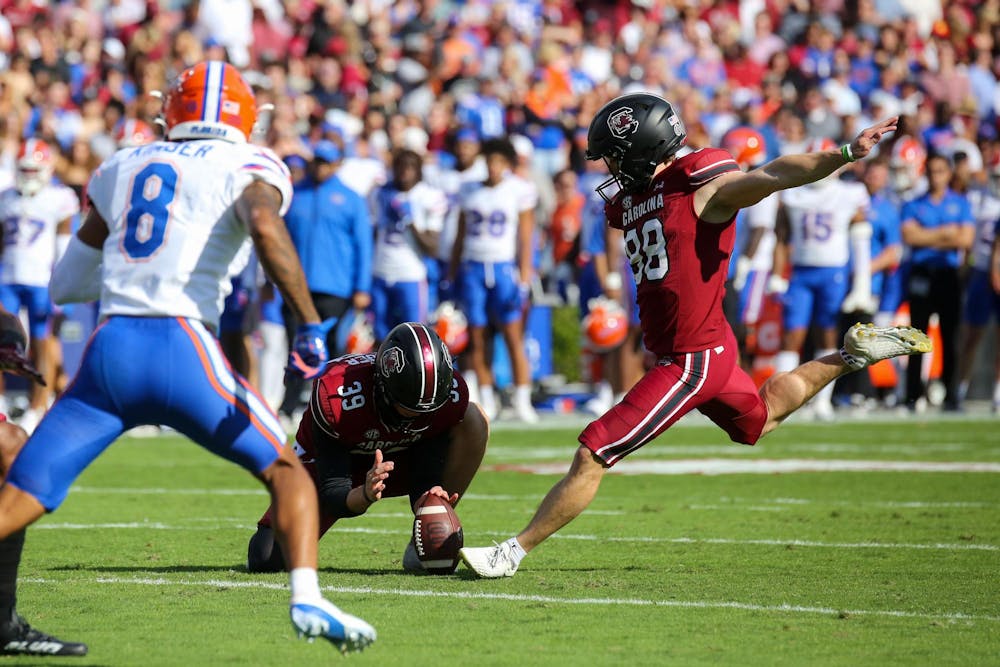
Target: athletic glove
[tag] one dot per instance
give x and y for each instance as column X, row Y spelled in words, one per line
column 309, row 355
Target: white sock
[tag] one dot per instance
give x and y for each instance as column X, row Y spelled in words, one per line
column 304, row 583
column 825, row 395
column 517, row 552
column 604, row 391
column 522, row 395
column 473, row 383
column 786, row 361
column 486, row 395
column 996, row 393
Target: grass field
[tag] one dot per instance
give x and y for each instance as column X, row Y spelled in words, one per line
column 886, row 552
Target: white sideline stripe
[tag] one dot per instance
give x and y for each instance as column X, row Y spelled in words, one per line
column 558, row 536
column 467, row 595
column 905, row 504
column 156, row 491
column 534, row 499
column 761, row 467
column 545, row 452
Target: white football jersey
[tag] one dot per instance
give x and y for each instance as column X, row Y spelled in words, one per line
column 492, row 215
column 398, row 258
column 174, row 236
column 762, row 216
column 820, row 216
column 986, row 211
column 451, row 183
column 29, row 232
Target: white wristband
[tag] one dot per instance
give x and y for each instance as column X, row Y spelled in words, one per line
column 613, row 281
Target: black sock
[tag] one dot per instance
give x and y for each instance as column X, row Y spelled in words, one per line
column 10, row 556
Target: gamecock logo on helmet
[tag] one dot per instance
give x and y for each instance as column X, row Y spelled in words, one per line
column 622, row 123
column 391, row 362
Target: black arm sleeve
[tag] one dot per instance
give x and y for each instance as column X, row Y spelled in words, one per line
column 427, row 458
column 333, row 475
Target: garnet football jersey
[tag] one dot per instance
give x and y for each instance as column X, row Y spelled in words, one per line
column 679, row 262
column 343, row 408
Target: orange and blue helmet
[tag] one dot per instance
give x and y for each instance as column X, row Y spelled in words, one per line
column 746, row 145
column 210, row 100
column 132, row 132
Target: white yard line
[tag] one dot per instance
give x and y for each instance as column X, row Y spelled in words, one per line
column 512, row 597
column 558, row 536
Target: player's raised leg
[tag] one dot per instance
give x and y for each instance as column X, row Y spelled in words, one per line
column 864, row 344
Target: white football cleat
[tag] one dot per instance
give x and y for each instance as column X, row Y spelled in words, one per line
column 323, row 619
column 866, row 343
column 490, row 562
column 526, row 413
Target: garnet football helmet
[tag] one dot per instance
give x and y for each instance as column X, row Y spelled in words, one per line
column 906, row 165
column 633, row 134
column 133, row 132
column 450, row 324
column 746, row 145
column 210, row 101
column 413, row 371
column 34, row 167
column 605, row 325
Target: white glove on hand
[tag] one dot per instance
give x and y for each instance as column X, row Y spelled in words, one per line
column 859, row 302
column 776, row 285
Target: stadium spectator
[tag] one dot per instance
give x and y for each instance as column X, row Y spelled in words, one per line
column 332, row 232
column 374, row 430
column 937, row 227
column 676, row 214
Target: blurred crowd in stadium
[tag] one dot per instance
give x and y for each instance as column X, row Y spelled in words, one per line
column 361, row 91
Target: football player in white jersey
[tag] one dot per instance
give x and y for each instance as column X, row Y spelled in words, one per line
column 409, row 216
column 493, row 265
column 170, row 222
column 36, row 215
column 814, row 230
column 982, row 294
column 470, row 167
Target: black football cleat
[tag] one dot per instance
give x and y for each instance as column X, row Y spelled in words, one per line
column 19, row 638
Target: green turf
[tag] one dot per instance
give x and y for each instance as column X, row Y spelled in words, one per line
column 824, row 568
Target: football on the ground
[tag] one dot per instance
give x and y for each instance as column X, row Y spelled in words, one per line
column 437, row 534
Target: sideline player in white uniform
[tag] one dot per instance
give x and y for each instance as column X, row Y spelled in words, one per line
column 814, row 229
column 36, row 215
column 169, row 225
column 493, row 246
column 982, row 295
column 409, row 216
column 470, row 167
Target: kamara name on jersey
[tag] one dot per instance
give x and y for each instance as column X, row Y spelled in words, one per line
column 631, row 213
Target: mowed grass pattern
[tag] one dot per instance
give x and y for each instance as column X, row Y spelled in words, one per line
column 145, row 560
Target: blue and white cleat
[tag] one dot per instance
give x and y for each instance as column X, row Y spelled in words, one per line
column 323, row 619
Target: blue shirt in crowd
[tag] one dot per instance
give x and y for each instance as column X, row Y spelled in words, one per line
column 952, row 209
column 332, row 232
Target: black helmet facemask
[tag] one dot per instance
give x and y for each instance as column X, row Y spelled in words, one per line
column 633, row 134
